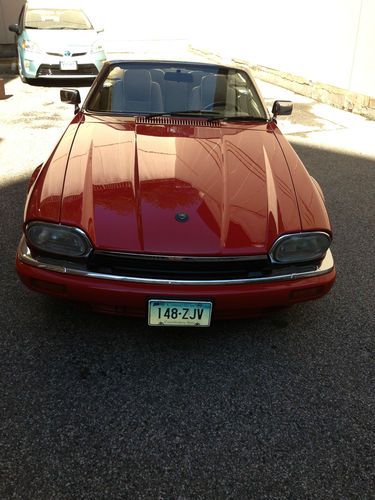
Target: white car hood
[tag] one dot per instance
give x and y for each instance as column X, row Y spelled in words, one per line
column 62, row 40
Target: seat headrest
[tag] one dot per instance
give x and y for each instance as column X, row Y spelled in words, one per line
column 213, row 88
column 137, row 84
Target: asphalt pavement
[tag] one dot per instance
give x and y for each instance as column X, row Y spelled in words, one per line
column 94, row 406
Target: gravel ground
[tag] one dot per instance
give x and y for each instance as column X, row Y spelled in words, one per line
column 104, row 407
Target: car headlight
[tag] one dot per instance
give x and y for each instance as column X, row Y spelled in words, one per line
column 96, row 47
column 31, row 46
column 300, row 247
column 57, row 239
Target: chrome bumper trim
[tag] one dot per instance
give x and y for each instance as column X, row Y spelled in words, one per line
column 64, row 77
column 184, row 258
column 25, row 256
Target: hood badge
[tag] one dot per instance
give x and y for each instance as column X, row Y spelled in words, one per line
column 181, row 217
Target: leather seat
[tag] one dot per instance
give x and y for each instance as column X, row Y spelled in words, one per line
column 137, row 93
column 157, row 76
column 213, row 92
column 176, row 96
column 34, row 18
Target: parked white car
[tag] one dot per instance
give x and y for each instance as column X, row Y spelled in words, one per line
column 56, row 42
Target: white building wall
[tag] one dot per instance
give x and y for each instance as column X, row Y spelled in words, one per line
column 362, row 77
column 329, row 41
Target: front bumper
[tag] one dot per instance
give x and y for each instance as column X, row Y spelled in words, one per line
column 42, row 65
column 130, row 295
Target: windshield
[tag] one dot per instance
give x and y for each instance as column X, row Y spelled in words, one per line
column 210, row 91
column 56, row 19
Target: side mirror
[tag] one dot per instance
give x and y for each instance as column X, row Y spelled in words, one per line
column 99, row 29
column 282, row 108
column 71, row 96
column 15, row 29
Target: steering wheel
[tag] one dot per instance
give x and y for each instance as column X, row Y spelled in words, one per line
column 214, row 104
column 219, row 103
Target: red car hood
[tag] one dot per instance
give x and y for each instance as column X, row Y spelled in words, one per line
column 126, row 183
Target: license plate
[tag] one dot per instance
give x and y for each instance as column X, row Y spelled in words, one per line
column 68, row 64
column 175, row 313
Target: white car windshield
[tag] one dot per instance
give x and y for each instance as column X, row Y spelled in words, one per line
column 57, row 19
column 186, row 89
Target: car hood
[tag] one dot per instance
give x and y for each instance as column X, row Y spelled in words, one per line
column 61, row 40
column 178, row 189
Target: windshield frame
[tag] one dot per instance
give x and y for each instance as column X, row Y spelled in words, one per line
column 191, row 65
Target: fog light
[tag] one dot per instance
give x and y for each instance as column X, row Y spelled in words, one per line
column 47, row 286
column 26, row 63
column 307, row 293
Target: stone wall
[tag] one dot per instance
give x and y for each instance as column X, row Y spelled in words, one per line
column 329, row 94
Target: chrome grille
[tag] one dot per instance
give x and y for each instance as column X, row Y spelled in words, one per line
column 188, row 268
column 54, row 70
column 60, row 54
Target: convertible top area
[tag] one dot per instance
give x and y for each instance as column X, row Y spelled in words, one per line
column 149, row 87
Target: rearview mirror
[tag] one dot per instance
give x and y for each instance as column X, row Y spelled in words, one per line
column 71, row 96
column 15, row 29
column 177, row 76
column 282, row 108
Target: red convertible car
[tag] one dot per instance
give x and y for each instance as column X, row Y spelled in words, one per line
column 173, row 195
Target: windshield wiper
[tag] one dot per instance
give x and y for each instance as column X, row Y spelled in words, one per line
column 188, row 112
column 240, row 118
column 210, row 115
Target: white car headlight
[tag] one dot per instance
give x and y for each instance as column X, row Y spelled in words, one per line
column 96, row 47
column 30, row 46
column 57, row 239
column 300, row 247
